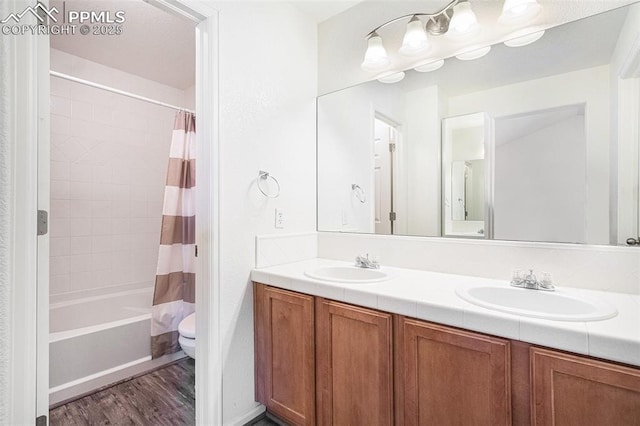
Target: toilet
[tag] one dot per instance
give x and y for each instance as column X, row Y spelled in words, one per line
column 187, row 339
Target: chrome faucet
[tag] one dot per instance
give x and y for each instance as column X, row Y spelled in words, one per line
column 529, row 281
column 365, row 262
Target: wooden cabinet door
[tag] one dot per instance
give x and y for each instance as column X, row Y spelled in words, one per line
column 285, row 353
column 451, row 377
column 354, row 370
column 573, row 390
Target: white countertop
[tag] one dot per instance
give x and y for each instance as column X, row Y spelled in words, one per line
column 431, row 296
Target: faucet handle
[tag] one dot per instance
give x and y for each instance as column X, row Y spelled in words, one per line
column 546, row 283
column 516, row 276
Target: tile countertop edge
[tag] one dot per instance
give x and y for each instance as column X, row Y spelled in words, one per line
column 437, row 302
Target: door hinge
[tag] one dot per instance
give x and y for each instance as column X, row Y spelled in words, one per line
column 392, row 216
column 196, row 250
column 43, row 222
column 392, row 147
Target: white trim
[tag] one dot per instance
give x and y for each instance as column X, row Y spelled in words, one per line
column 44, row 203
column 248, row 416
column 209, row 347
column 176, row 8
column 22, row 126
column 630, row 67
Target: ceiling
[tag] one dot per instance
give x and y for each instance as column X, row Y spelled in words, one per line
column 321, row 10
column 154, row 44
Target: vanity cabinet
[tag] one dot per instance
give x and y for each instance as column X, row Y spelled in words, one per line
column 451, row 376
column 322, row 362
column 285, row 353
column 354, row 370
column 574, row 390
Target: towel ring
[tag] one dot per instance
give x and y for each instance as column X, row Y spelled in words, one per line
column 263, row 176
column 359, row 193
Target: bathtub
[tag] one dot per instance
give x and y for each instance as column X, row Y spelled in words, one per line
column 97, row 341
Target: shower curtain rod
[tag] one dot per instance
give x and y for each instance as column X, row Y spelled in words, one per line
column 118, row 91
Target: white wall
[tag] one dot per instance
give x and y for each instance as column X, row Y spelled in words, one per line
column 540, row 184
column 544, row 94
column 109, row 156
column 423, row 111
column 267, row 95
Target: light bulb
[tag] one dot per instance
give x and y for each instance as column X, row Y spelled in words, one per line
column 517, row 11
column 375, row 58
column 464, row 21
column 429, row 66
column 523, row 40
column 415, row 41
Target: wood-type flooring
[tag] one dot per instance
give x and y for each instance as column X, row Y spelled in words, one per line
column 162, row 397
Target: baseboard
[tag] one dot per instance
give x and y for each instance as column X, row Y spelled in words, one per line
column 68, row 392
column 249, row 417
column 275, row 419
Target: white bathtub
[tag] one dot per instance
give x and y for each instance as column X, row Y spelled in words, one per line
column 100, row 340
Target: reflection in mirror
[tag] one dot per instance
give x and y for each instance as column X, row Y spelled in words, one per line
column 553, row 155
column 466, row 198
column 541, row 176
column 385, row 143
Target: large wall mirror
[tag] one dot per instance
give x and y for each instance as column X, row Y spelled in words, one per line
column 534, row 143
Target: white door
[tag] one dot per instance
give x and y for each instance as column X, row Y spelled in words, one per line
column 384, row 146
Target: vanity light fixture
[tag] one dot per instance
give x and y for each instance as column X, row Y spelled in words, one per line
column 457, row 20
column 523, row 40
column 473, row 53
column 391, row 77
column 517, row 11
column 464, row 21
column 416, row 40
column 429, row 66
column 375, row 58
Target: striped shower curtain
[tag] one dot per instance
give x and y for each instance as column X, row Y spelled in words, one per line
column 174, row 296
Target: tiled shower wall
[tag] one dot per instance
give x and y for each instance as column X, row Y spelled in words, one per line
column 109, row 158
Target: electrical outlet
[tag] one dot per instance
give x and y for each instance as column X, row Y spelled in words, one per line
column 279, row 219
column 345, row 218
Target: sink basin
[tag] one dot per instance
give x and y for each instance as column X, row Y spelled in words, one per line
column 347, row 274
column 558, row 305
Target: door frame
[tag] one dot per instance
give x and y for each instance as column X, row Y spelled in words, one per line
column 29, row 358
